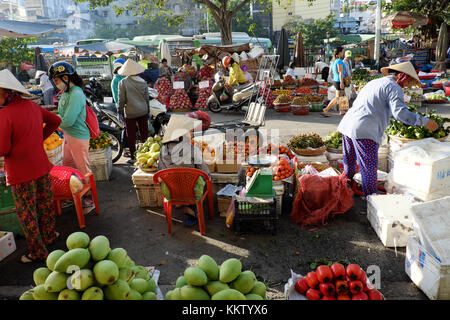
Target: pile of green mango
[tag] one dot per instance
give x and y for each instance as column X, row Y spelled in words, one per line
column 147, row 154
column 208, row 281
column 90, row 270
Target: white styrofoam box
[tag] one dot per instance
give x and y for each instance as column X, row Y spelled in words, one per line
column 331, row 156
column 140, row 177
column 423, row 167
column 7, row 244
column 391, row 218
column 430, row 275
column 433, row 220
column 322, row 158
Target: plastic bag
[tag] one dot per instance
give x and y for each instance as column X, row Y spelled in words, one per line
column 309, row 169
column 76, row 185
column 231, row 209
column 203, row 116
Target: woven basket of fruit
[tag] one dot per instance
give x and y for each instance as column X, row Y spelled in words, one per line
column 310, row 144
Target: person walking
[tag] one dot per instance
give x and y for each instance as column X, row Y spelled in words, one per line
column 348, row 63
column 134, row 104
column 363, row 125
column 47, row 87
column 337, row 70
column 24, row 126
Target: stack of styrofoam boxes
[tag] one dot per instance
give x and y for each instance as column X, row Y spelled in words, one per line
column 7, row 244
column 391, row 218
column 427, row 260
column 101, row 163
column 423, row 169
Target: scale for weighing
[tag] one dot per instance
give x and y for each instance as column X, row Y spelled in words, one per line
column 260, row 184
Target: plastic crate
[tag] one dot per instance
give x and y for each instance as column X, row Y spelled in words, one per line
column 255, row 217
column 6, row 197
column 300, row 110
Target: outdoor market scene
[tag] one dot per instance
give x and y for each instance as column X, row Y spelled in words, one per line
column 304, row 160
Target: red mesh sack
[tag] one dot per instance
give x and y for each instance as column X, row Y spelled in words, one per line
column 320, row 198
column 203, row 116
column 60, row 178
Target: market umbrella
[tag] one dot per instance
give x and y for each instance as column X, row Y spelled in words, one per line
column 441, row 47
column 283, row 50
column 104, row 47
column 403, row 19
column 21, row 29
column 299, row 56
column 165, row 51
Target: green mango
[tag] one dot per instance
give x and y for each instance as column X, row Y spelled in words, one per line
column 168, row 295
column 151, row 285
column 106, row 272
column 68, row 294
column 209, row 266
column 27, row 295
column 252, row 296
column 193, row 293
column 40, row 275
column 245, row 282
column 52, row 258
column 228, row 294
column 93, row 293
column 213, row 287
column 141, row 272
column 39, row 293
column 176, row 294
column 56, row 282
column 77, row 240
column 119, row 290
column 230, row 270
column 99, row 248
column 259, row 288
column 74, row 258
column 134, row 295
column 149, row 296
column 195, row 276
column 118, row 256
column 155, row 147
column 127, row 274
column 181, row 282
column 82, row 279
column 140, row 285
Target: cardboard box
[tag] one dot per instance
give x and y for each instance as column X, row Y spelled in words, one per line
column 227, row 167
column 426, row 271
column 7, row 244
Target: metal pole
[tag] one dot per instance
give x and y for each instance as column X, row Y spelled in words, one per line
column 377, row 33
column 207, row 20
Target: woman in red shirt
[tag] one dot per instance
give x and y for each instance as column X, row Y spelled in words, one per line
column 26, row 164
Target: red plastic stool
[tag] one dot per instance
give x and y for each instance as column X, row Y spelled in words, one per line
column 60, row 177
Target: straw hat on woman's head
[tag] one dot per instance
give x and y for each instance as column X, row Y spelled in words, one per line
column 405, row 67
column 130, row 68
column 179, row 126
column 9, row 81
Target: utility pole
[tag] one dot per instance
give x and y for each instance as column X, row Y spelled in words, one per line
column 377, row 33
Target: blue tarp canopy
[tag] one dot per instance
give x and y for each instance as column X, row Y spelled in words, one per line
column 21, row 29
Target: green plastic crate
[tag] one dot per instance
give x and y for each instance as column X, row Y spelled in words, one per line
column 6, row 198
column 10, row 222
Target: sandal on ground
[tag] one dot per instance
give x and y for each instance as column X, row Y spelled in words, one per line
column 191, row 220
column 27, row 259
column 66, row 203
column 326, row 115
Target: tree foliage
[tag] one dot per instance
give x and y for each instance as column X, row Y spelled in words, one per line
column 315, row 32
column 14, row 51
column 437, row 12
column 222, row 11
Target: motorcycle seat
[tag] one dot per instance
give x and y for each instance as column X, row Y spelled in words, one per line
column 108, row 106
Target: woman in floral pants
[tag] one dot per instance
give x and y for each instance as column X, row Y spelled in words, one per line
column 24, row 126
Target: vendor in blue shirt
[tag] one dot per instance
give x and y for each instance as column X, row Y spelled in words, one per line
column 363, row 125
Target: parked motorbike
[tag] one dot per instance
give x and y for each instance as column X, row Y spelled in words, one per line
column 94, row 90
column 240, row 95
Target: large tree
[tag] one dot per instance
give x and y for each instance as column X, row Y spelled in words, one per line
column 222, row 11
column 15, row 51
column 315, row 32
column 437, row 12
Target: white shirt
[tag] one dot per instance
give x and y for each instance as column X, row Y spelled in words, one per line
column 320, row 65
column 290, row 72
column 45, row 83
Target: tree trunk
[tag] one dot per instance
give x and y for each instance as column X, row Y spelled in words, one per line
column 225, row 28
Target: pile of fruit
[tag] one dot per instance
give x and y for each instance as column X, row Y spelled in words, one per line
column 282, row 99
column 323, row 91
column 52, row 142
column 304, row 90
column 90, row 270
column 164, row 87
column 205, row 72
column 203, row 96
column 314, row 98
column 333, row 140
column 362, row 82
column 414, row 95
column 267, row 96
column 307, row 82
column 337, row 283
column 250, row 171
column 234, row 150
column 180, row 100
column 281, row 150
column 288, row 80
column 276, row 83
column 147, row 155
column 360, row 74
column 282, row 170
column 208, row 281
column 102, row 141
column 436, row 97
column 282, row 91
column 400, row 129
column 300, row 101
column 204, row 147
column 306, row 140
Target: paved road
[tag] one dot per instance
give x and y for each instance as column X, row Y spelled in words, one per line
column 143, row 233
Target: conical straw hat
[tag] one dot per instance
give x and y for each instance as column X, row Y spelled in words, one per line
column 178, row 126
column 405, row 67
column 130, row 68
column 9, row 81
